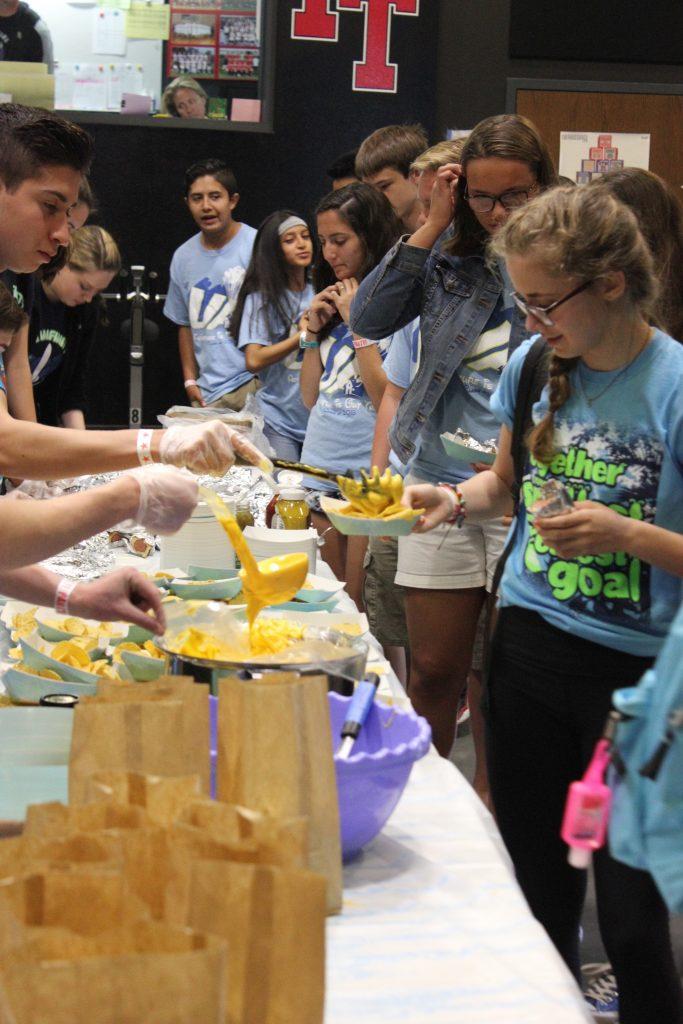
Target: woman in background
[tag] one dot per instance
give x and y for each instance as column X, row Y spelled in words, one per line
column 63, row 325
column 342, row 376
column 267, row 322
column 660, row 217
column 184, row 97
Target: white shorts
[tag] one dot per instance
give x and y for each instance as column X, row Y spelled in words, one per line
column 451, row 557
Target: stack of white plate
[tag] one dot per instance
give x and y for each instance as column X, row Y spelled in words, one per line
column 264, row 543
column 201, row 541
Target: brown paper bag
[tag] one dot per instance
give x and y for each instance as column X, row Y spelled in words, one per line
column 146, row 973
column 85, row 899
column 140, row 854
column 162, row 798
column 275, row 755
column 55, row 820
column 274, row 921
column 157, row 728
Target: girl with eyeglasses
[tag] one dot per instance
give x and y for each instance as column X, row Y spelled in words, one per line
column 587, row 596
column 469, row 326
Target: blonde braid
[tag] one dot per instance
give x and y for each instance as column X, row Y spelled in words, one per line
column 541, row 440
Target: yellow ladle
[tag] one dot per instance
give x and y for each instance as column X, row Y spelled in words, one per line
column 270, row 581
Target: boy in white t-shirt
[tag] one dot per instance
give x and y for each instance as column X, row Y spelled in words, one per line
column 205, row 277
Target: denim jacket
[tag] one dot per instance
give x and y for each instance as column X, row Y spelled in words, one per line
column 454, row 297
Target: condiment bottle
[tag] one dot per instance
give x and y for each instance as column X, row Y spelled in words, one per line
column 291, row 511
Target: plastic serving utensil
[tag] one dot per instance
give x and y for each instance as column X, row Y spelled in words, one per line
column 270, row 581
column 361, row 702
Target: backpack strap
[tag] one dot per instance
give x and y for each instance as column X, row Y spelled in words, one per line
column 532, row 380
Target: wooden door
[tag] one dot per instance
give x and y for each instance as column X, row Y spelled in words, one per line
column 659, row 114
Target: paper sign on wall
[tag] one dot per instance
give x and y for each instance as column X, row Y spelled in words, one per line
column 148, row 21
column 109, row 31
column 588, row 155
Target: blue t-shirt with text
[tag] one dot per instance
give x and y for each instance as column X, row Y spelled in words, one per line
column 466, row 401
column 618, row 442
column 400, row 366
column 342, row 422
column 279, row 398
column 201, row 295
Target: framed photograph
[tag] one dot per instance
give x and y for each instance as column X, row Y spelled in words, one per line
column 197, row 61
column 588, row 165
column 596, row 152
column 583, row 177
column 193, row 29
column 238, row 30
column 611, row 153
column 239, row 63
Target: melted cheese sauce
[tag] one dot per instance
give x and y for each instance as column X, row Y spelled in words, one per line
column 265, row 583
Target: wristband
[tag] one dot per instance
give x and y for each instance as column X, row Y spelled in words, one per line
column 307, row 340
column 144, row 447
column 459, row 511
column 361, row 342
column 189, row 383
column 64, row 590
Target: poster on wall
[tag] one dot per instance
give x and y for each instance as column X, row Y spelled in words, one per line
column 215, row 39
column 588, row 155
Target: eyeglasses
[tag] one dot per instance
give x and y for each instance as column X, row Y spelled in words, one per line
column 540, row 313
column 510, row 200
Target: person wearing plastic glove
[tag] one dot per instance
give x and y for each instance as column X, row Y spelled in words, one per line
column 31, row 451
column 159, row 498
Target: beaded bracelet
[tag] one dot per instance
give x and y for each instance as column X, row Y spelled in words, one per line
column 459, row 512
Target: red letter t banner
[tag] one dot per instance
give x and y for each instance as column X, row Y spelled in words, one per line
column 315, row 20
column 375, row 73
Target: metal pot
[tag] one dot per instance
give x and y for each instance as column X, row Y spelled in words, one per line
column 341, row 672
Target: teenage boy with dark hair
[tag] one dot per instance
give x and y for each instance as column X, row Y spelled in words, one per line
column 42, row 161
column 383, row 160
column 343, row 170
column 206, row 274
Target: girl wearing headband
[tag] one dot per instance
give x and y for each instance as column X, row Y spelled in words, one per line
column 267, row 322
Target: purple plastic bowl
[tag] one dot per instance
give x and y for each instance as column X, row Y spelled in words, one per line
column 213, row 741
column 371, row 781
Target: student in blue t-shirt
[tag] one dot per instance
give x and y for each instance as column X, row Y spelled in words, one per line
column 205, row 277
column 342, row 376
column 587, row 597
column 268, row 320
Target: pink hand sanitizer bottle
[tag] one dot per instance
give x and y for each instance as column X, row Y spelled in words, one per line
column 586, row 812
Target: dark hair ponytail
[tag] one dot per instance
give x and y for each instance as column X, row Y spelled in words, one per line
column 267, row 274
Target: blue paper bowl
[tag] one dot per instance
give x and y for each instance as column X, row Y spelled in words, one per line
column 205, row 572
column 371, row 781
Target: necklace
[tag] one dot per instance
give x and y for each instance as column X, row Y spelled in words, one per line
column 591, row 400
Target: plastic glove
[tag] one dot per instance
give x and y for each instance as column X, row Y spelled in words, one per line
column 124, row 594
column 167, row 498
column 206, row 447
column 38, row 489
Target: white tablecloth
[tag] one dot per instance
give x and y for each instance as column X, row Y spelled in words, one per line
column 434, row 929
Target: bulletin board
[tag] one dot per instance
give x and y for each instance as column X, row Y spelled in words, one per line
column 102, row 77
